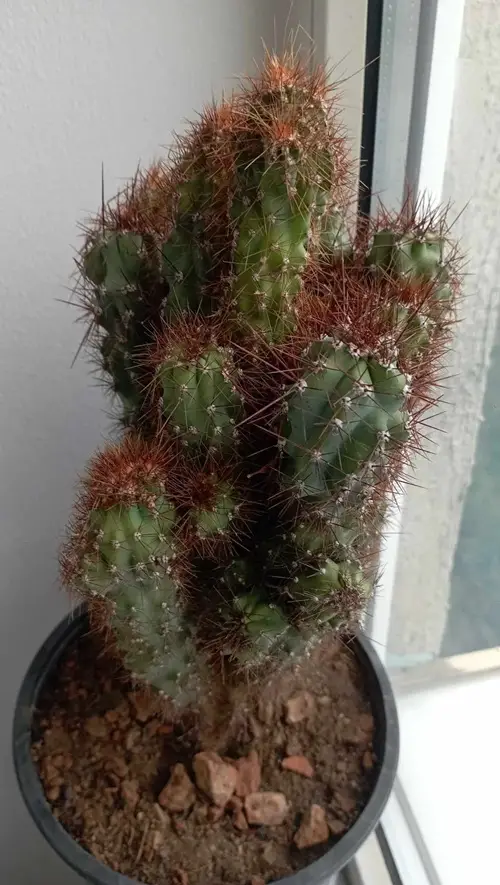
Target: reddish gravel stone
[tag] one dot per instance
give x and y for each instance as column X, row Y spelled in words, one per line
column 179, row 794
column 216, row 778
column 313, row 829
column 249, row 774
column 298, row 764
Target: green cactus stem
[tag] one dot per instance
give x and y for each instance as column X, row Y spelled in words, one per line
column 129, row 551
column 154, row 638
column 123, row 541
column 115, row 263
column 342, row 417
column 118, row 362
column 266, row 631
column 200, row 400
column 273, row 212
column 412, row 331
column 186, row 259
column 326, row 534
column 215, row 521
column 411, row 256
column 319, row 580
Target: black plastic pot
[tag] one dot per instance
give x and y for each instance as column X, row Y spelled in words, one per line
column 322, row 872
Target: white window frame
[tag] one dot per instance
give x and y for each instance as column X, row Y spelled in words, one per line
column 427, row 152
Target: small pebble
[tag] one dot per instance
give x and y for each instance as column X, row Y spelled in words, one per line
column 266, row 809
column 53, row 793
column 313, row 829
column 215, row 812
column 299, row 707
column 97, row 727
column 367, row 760
column 249, row 774
column 132, row 738
column 214, row 777
column 179, row 794
column 336, row 827
column 299, row 765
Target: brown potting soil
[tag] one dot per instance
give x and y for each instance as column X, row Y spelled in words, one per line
column 104, row 759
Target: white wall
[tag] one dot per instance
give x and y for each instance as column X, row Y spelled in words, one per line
column 81, row 82
column 339, row 30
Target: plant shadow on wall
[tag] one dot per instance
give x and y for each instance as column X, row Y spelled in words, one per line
column 275, row 371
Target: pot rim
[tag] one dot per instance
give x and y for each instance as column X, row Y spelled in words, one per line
column 386, row 745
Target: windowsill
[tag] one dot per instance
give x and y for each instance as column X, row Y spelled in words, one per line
column 449, row 779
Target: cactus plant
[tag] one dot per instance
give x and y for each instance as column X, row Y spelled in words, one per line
column 274, row 366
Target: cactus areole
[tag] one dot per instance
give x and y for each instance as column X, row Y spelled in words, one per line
column 272, row 369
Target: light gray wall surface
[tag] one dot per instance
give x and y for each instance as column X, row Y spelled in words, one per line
column 81, row 83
